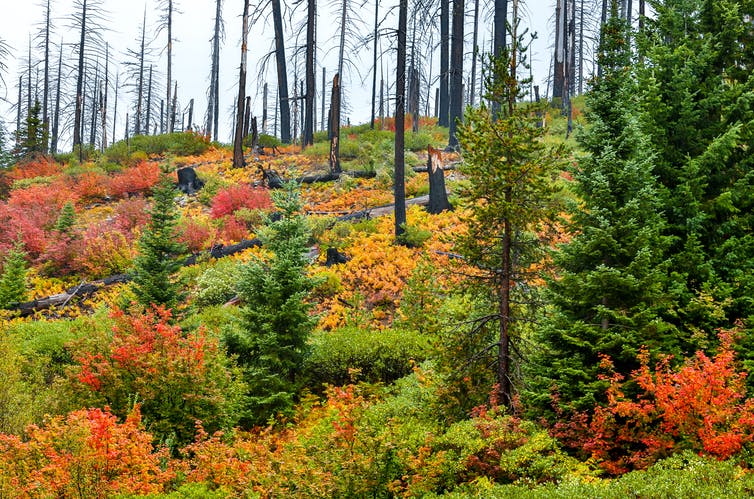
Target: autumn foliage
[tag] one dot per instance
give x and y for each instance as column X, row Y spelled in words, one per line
column 701, row 405
column 228, row 200
column 87, row 453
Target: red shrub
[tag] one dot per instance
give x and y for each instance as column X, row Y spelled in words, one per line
column 138, row 179
column 195, row 235
column 702, row 405
column 233, row 230
column 41, row 204
column 234, row 197
column 130, row 214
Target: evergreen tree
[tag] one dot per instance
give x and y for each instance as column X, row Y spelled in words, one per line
column 510, row 174
column 611, row 279
column 13, row 278
column 158, row 250
column 6, row 157
column 697, row 109
column 276, row 321
column 66, row 219
column 32, row 136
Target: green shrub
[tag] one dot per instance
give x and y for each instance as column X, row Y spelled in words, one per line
column 23, row 183
column 177, row 144
column 217, row 284
column 417, row 141
column 683, row 475
column 340, row 356
column 212, row 185
column 414, row 237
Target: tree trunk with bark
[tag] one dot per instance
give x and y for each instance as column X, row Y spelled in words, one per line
column 444, row 113
column 310, row 76
column 456, row 72
column 285, row 112
column 238, row 159
column 335, row 125
column 399, row 185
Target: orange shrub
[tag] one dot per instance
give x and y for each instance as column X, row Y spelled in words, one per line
column 40, row 166
column 702, row 405
column 91, row 186
column 137, row 179
column 86, row 454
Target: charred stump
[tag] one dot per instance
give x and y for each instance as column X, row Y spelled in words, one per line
column 438, row 196
column 188, row 181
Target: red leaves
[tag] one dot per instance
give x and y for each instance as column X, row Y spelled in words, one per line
column 86, row 454
column 701, row 405
column 228, row 200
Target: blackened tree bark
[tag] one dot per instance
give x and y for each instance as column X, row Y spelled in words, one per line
column 166, row 23
column 56, row 116
column 149, row 102
column 456, row 72
column 335, row 126
column 238, row 159
column 374, row 61
column 561, row 39
column 399, row 185
column 474, row 55
column 311, row 13
column 115, row 105
column 443, row 118
column 211, row 121
column 140, row 84
column 45, row 105
column 80, row 80
column 285, row 111
column 438, row 196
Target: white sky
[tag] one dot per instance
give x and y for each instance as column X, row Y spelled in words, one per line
column 191, row 52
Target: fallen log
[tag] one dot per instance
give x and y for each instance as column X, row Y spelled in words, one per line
column 85, row 290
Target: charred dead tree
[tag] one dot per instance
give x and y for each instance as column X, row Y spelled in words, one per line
column 282, row 72
column 444, row 103
column 238, row 158
column 399, row 182
column 308, row 131
column 211, row 120
column 438, row 196
column 456, row 72
column 335, row 126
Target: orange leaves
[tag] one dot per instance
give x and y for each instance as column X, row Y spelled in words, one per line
column 700, row 405
column 137, row 179
column 86, row 454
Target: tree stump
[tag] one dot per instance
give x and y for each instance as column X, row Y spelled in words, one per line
column 188, row 181
column 438, row 197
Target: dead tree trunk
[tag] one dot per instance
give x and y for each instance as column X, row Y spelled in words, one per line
column 399, row 183
column 438, row 197
column 309, row 106
column 238, row 159
column 285, row 112
column 335, row 125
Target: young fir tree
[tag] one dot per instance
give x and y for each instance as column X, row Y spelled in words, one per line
column 66, row 219
column 33, row 135
column 13, row 277
column 696, row 96
column 509, row 196
column 611, row 275
column 276, row 320
column 158, row 250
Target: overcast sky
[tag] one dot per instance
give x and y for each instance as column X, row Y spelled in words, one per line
column 192, row 29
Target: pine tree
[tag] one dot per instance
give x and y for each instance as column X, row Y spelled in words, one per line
column 510, row 174
column 13, row 278
column 158, row 250
column 611, row 275
column 276, row 320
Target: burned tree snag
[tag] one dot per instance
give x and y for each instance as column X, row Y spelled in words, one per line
column 438, row 197
column 335, row 126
